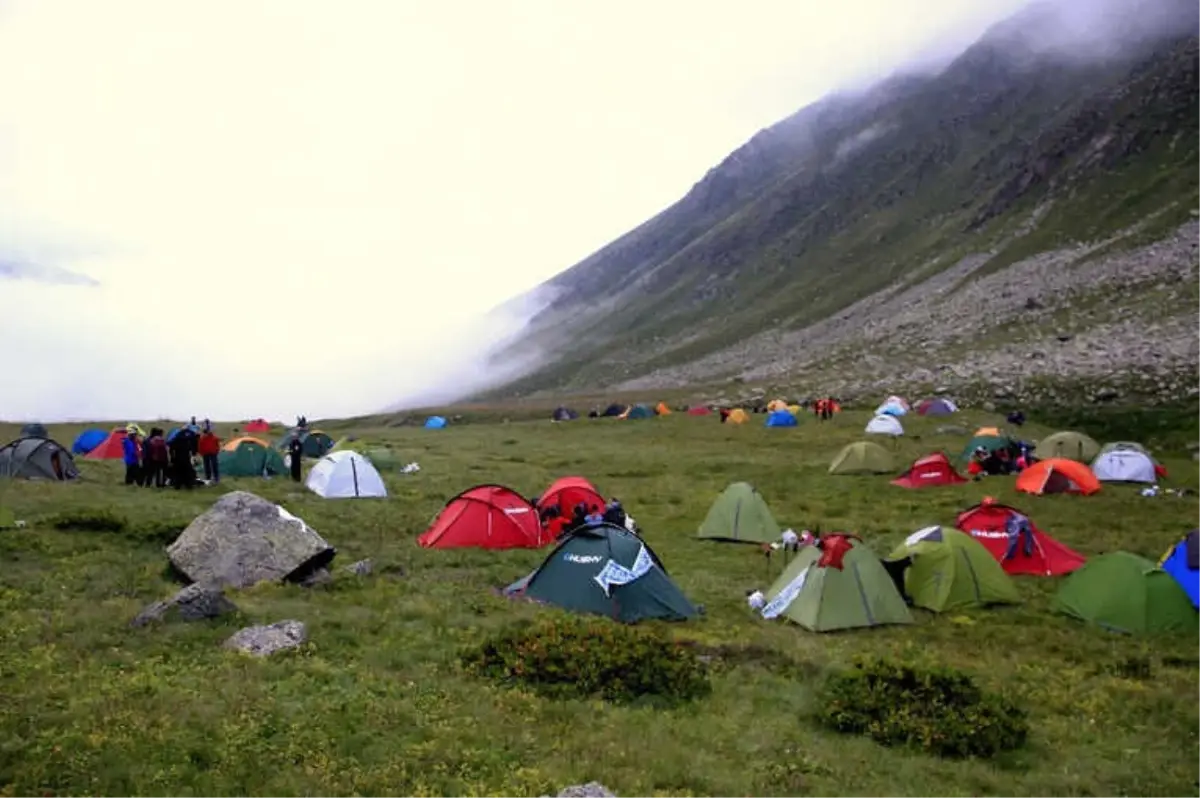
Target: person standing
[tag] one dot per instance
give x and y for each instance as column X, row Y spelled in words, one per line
column 129, row 452
column 182, row 473
column 209, row 447
column 295, row 453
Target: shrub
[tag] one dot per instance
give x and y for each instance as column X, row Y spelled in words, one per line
column 575, row 657
column 89, row 520
column 941, row 711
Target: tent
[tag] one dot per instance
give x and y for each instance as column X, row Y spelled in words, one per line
column 605, row 570
column 944, row 569
column 776, row 404
column 111, row 448
column 88, row 439
column 345, row 475
column 34, row 429
column 173, row 431
column 37, row 458
column 249, row 457
column 781, row 418
column 563, row 414
column 737, row 416
column 890, row 409
column 435, row 422
column 740, row 514
column 989, row 432
column 566, row 492
column 930, row 471
column 662, row 409
column 1057, row 475
column 614, row 410
column 314, row 443
column 884, row 425
column 839, row 585
column 1069, row 445
column 990, row 443
column 257, row 425
column 898, row 400
column 699, row 411
column 486, row 517
column 862, row 457
column 1124, row 465
column 1182, row 563
column 1123, row 592
column 987, row 522
column 638, row 411
column 935, row 407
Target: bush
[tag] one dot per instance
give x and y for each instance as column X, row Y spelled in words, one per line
column 89, row 520
column 941, row 711
column 575, row 657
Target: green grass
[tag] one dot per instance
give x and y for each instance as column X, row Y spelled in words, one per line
column 376, row 702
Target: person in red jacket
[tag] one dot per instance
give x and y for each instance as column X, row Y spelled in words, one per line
column 208, row 447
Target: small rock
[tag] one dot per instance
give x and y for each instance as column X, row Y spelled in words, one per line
column 593, row 789
column 318, row 578
column 194, row 603
column 262, row 641
column 1105, row 395
column 360, row 568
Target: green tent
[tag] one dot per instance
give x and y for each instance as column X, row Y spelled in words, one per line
column 1068, row 445
column 991, row 443
column 250, row 459
column 944, row 569
column 640, row 411
column 1123, row 592
column 314, row 442
column 862, row 457
column 825, row 597
column 605, row 570
column 740, row 514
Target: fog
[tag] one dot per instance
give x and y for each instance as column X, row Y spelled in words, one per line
column 275, row 207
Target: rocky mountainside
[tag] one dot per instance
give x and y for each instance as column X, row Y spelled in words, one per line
column 1024, row 216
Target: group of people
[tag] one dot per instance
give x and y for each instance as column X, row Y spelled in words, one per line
column 1000, row 462
column 151, row 460
column 555, row 521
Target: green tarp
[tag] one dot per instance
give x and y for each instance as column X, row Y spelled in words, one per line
column 824, row 598
column 949, row 570
column 605, row 570
column 991, row 443
column 1126, row 593
column 740, row 514
column 862, row 457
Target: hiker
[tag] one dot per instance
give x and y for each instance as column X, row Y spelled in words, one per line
column 129, row 450
column 614, row 513
column 578, row 518
column 183, row 475
column 1020, row 531
column 724, row 414
column 155, row 458
column 209, row 446
column 295, row 452
column 594, row 516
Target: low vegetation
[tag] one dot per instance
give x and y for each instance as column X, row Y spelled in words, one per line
column 378, row 701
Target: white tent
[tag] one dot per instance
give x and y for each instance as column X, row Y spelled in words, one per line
column 345, row 475
column 884, row 425
column 1124, row 465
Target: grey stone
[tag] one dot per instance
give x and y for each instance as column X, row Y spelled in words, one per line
column 262, row 641
column 360, row 568
column 317, row 578
column 243, row 540
column 593, row 789
column 195, row 602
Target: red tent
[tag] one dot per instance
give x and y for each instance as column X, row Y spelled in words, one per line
column 112, row 448
column 698, row 411
column 568, row 492
column 257, row 425
column 489, row 517
column 930, row 471
column 986, row 523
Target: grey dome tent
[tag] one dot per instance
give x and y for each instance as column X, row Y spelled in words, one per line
column 35, row 429
column 37, row 458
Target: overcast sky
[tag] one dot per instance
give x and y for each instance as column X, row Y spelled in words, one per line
column 249, row 207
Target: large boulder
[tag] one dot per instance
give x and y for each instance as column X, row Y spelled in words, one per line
column 243, row 540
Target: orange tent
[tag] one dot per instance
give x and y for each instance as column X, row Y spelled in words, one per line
column 1058, row 475
column 988, row 431
column 236, row 442
column 662, row 409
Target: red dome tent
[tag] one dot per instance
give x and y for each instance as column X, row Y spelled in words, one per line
column 986, row 523
column 113, row 447
column 257, row 425
column 930, row 471
column 488, row 517
column 567, row 492
column 699, row 411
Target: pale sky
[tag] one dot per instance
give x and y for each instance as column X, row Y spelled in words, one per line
column 301, row 206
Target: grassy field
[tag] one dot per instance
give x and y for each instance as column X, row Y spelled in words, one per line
column 376, row 703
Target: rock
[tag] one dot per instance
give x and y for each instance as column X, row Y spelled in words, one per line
column 262, row 641
column 243, row 540
column 360, row 568
column 319, row 577
column 194, row 603
column 1105, row 395
column 593, row 789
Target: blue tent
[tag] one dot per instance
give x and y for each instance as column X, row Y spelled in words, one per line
column 171, row 435
column 1181, row 562
column 435, row 422
column 88, row 439
column 781, row 418
column 890, row 409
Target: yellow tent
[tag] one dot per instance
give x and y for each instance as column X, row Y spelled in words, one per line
column 232, row 445
column 794, row 409
column 776, row 404
column 662, row 409
column 737, row 416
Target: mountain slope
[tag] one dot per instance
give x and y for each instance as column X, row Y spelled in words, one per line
column 1021, row 147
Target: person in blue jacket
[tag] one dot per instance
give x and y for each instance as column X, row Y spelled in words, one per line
column 133, row 467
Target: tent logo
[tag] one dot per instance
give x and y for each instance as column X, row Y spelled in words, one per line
column 515, row 510
column 584, row 559
column 980, row 533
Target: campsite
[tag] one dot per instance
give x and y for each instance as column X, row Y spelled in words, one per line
column 375, row 701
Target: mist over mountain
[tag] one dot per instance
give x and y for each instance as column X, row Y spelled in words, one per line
column 1064, row 138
